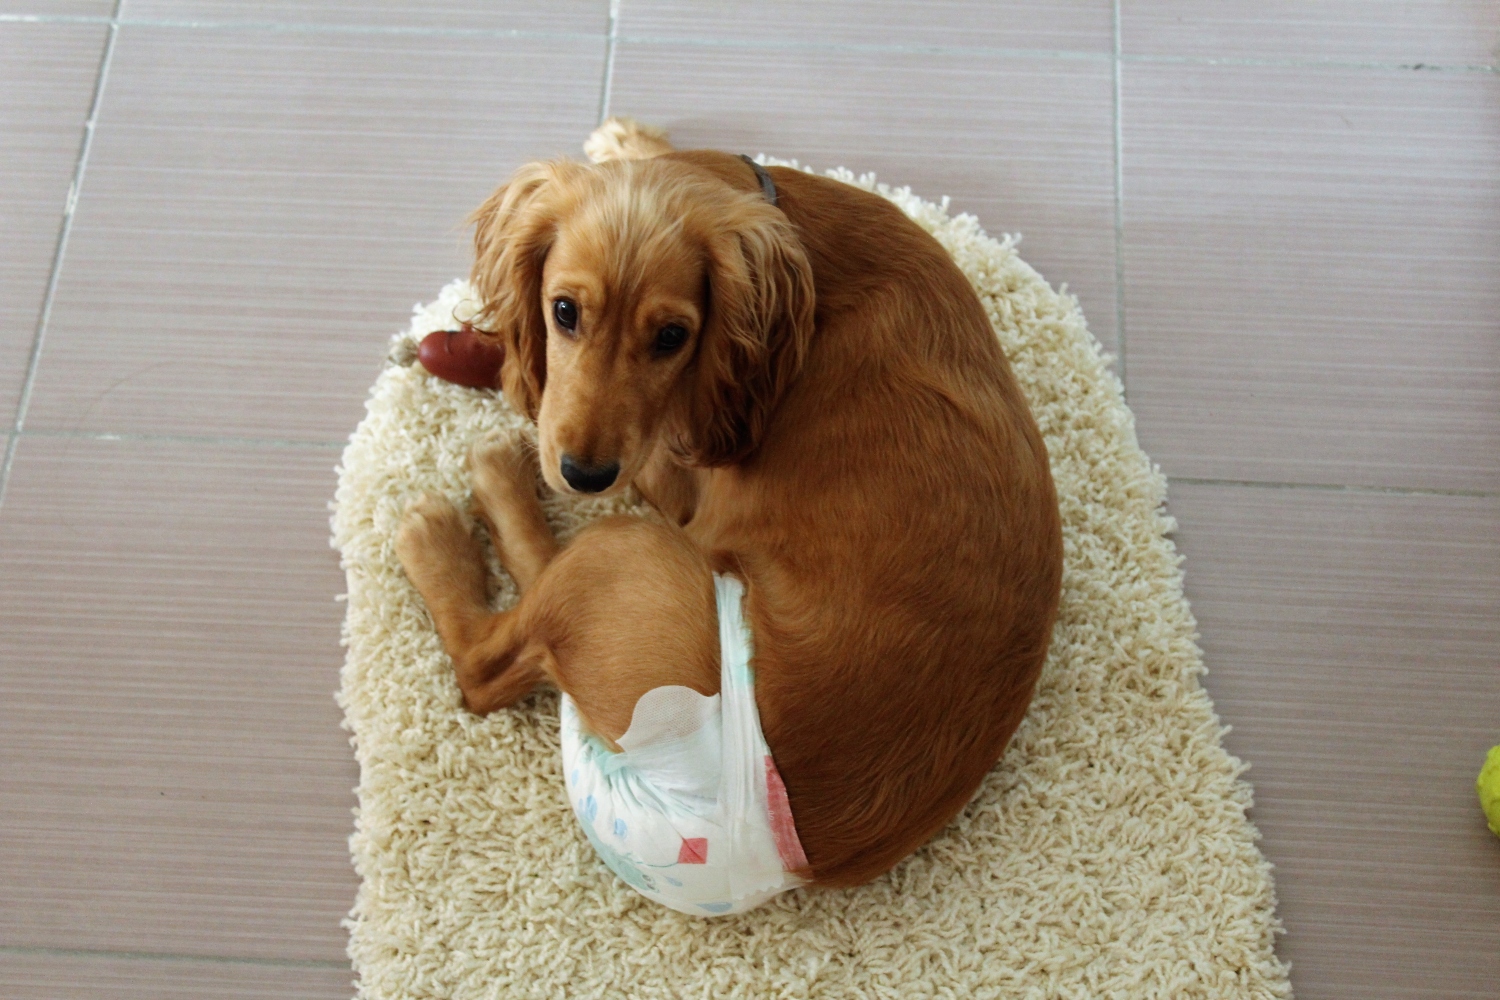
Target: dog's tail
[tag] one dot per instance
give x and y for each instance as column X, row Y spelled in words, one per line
column 626, row 139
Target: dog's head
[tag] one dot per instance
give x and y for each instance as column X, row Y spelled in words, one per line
column 638, row 302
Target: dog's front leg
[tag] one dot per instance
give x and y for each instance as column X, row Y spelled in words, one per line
column 669, row 487
column 504, row 472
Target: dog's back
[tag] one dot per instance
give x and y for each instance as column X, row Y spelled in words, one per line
column 900, row 534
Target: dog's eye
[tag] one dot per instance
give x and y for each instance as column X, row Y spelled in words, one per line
column 668, row 339
column 565, row 311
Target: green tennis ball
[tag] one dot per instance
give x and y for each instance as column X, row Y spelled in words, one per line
column 1489, row 789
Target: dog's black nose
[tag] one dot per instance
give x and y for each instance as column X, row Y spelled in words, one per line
column 589, row 479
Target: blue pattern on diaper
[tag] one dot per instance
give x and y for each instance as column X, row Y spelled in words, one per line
column 620, row 864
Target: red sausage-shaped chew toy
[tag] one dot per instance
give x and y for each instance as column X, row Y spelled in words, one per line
column 463, row 356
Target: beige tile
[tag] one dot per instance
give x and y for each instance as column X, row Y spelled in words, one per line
column 1430, row 32
column 57, row 8
column 1032, row 24
column 1312, row 273
column 106, row 977
column 47, row 75
column 1025, row 143
column 1353, row 642
column 175, row 778
column 441, row 15
column 263, row 208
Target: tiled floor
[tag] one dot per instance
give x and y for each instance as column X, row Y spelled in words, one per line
column 1284, row 217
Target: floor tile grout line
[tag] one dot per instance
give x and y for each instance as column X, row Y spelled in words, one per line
column 53, row 19
column 873, row 48
column 867, row 48
column 65, row 229
column 303, row 28
column 213, row 439
column 148, row 956
column 204, row 439
column 606, row 85
column 308, row 27
column 1264, row 484
column 1119, row 141
column 1426, row 67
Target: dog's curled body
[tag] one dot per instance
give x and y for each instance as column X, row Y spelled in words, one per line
column 843, row 432
column 904, row 596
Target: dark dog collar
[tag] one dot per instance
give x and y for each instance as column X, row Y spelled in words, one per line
column 767, row 186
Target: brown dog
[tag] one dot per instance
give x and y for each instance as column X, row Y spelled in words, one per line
column 812, row 396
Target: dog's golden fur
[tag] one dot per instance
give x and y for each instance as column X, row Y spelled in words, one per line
column 840, row 429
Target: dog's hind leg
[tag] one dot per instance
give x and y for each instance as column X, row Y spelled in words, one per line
column 625, row 607
column 628, row 606
column 493, row 663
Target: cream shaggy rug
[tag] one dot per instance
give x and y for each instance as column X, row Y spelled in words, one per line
column 1107, row 855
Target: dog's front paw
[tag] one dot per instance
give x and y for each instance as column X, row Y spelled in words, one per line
column 503, row 469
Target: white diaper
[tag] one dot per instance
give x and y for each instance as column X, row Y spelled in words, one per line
column 692, row 811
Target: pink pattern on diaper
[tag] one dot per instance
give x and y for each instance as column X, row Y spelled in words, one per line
column 694, row 851
column 788, row 845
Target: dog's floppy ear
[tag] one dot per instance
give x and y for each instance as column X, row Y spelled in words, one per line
column 513, row 230
column 759, row 321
